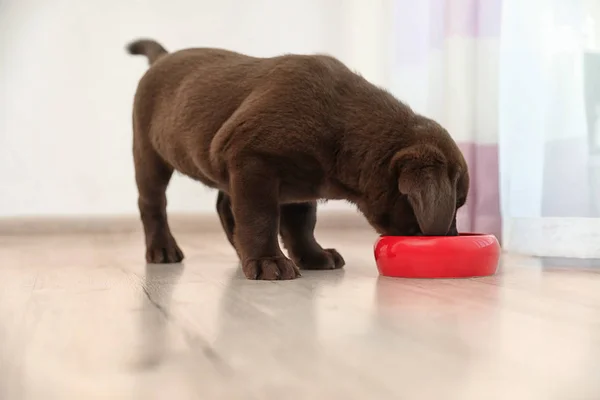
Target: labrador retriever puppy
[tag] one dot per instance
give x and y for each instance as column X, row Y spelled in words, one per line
column 273, row 136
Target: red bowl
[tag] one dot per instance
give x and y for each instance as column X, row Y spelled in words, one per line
column 463, row 256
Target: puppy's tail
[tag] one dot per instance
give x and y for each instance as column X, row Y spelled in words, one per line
column 147, row 47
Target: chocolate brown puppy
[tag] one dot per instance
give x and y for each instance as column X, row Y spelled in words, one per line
column 273, row 136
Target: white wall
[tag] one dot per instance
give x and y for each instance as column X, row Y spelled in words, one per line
column 66, row 85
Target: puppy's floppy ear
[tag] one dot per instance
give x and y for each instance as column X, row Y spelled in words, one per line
column 423, row 177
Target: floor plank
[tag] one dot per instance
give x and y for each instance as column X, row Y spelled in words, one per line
column 83, row 317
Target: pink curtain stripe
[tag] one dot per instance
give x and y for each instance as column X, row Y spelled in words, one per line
column 482, row 211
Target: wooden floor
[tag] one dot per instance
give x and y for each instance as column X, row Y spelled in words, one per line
column 83, row 317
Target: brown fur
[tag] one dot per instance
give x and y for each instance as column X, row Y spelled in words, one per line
column 274, row 135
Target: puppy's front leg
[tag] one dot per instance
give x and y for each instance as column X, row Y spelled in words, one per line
column 254, row 190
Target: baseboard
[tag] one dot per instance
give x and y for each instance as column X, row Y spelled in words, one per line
column 189, row 223
column 553, row 237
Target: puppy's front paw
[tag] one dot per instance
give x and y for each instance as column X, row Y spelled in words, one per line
column 270, row 269
column 163, row 251
column 322, row 260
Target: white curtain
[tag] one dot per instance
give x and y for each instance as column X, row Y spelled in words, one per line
column 549, row 127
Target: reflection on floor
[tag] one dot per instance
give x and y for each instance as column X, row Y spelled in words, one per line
column 82, row 317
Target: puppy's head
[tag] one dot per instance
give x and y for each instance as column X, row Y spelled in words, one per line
column 429, row 182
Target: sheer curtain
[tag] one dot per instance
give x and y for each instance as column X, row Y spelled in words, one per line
column 550, row 127
column 517, row 83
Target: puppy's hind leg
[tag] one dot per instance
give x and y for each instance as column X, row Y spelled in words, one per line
column 297, row 225
column 152, row 176
column 226, row 216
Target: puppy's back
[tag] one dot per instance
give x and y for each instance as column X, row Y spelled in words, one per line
column 214, row 82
